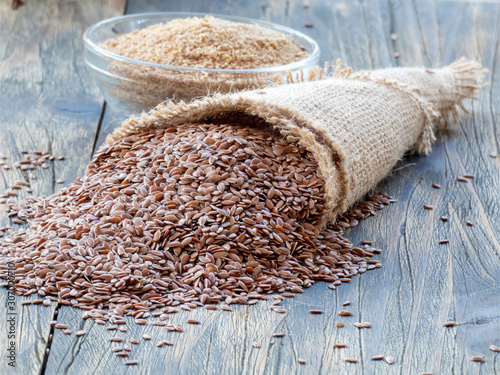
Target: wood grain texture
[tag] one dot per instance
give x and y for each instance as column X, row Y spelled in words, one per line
column 422, row 284
column 47, row 102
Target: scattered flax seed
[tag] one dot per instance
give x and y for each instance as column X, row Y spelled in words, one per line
column 255, row 344
column 469, row 176
column 133, row 362
column 141, row 321
column 339, row 324
column 80, row 333
column 159, row 344
column 436, row 186
column 461, row 179
column 494, row 348
column 67, row 331
column 308, row 24
column 345, row 313
column 469, row 223
column 396, row 55
column 316, row 312
column 367, row 325
column 378, row 357
column 211, row 307
column 389, row 359
column 62, row 157
column 122, row 355
column 17, row 221
column 442, row 242
column 346, row 303
column 111, row 328
column 477, row 358
column 449, row 324
column 134, row 341
column 351, row 360
column 302, row 361
column 226, row 308
column 60, row 181
column 61, row 326
column 427, row 207
column 493, row 155
column 306, row 5
column 192, row 321
column 116, row 339
column 288, row 295
column 444, row 218
column 46, row 302
column 279, row 334
column 146, row 337
column 123, row 329
column 358, row 325
column 426, row 373
column 340, row 345
column 127, row 347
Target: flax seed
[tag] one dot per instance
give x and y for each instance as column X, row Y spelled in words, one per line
column 442, row 242
column 436, row 186
column 345, row 313
column 279, row 334
column 302, row 361
column 469, row 223
column 316, row 312
column 494, row 348
column 339, row 324
column 256, row 345
column 461, row 179
column 377, row 358
column 339, row 345
column 80, row 333
column 351, row 360
column 130, row 363
column 427, row 207
column 478, row 359
column 389, row 359
column 192, row 321
column 444, row 218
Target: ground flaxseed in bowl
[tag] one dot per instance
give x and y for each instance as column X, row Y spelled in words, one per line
column 185, row 216
column 142, row 60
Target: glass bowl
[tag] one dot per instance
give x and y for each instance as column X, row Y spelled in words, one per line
column 132, row 85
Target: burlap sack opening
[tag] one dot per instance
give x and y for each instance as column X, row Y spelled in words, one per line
column 357, row 125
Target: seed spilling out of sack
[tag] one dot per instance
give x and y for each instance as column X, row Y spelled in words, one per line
column 186, row 216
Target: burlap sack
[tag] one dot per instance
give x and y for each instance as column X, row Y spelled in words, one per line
column 358, row 125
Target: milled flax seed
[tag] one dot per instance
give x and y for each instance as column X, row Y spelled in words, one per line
column 183, row 217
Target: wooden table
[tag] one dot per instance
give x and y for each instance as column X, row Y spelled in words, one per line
column 49, row 102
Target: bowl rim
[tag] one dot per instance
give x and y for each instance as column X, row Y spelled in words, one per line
column 279, row 68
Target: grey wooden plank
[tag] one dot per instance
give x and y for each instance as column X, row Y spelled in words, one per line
column 422, row 283
column 47, row 102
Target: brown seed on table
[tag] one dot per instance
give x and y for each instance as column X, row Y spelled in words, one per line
column 367, row 325
column 493, row 155
column 80, row 333
column 288, row 295
column 396, row 55
column 468, row 175
column 16, row 187
column 67, row 331
column 62, row 157
column 60, row 181
column 134, row 341
column 308, row 24
column 61, row 326
column 302, row 361
column 146, row 337
column 17, row 221
column 116, row 339
column 449, row 324
column 346, row 303
column 477, row 358
column 427, row 207
column 122, row 355
column 279, row 334
column 378, row 357
column 256, row 345
column 494, row 348
column 316, row 312
column 351, row 360
column 211, row 307
column 442, row 242
column 192, row 321
column 46, row 302
column 339, row 345
column 461, row 179
column 339, row 324
column 444, row 218
column 469, row 223
column 159, row 344
column 129, row 363
column 389, row 359
column 123, row 329
column 345, row 313
column 127, row 347
column 426, row 373
column 436, row 186
column 141, row 321
column 226, row 308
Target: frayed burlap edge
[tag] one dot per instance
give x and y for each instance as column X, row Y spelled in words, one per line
column 464, row 76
